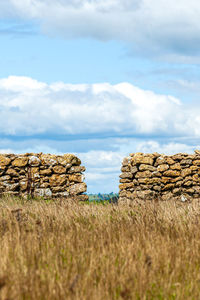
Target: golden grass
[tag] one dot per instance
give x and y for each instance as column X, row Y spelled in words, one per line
column 65, row 250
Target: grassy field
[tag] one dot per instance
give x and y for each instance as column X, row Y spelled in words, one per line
column 66, row 250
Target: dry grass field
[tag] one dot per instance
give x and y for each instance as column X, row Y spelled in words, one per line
column 65, row 250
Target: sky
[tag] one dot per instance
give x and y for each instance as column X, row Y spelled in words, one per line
column 101, row 79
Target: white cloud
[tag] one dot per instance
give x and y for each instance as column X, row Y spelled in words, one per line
column 115, row 119
column 149, row 26
column 29, row 107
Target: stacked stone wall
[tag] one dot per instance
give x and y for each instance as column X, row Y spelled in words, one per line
column 158, row 176
column 43, row 175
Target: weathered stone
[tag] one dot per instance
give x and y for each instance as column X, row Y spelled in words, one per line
column 156, row 174
column 126, row 161
column 187, row 183
column 35, row 173
column 166, row 180
column 196, row 162
column 76, row 178
column 63, row 195
column 169, row 160
column 163, row 168
column 169, row 186
column 44, row 185
column 172, row 173
column 79, row 169
column 48, row 159
column 197, row 152
column 126, row 175
column 178, row 156
column 177, row 191
column 155, row 180
column 43, row 192
column 126, row 180
column 197, row 189
column 141, row 159
column 12, row 172
column 45, row 172
column 186, row 172
column 11, row 187
column 190, row 191
column 194, row 168
column 124, row 169
column 143, row 174
column 176, row 166
column 175, row 179
column 196, row 178
column 134, row 170
column 68, row 160
column 57, row 180
column 160, row 161
column 125, row 186
column 77, row 188
column 144, row 167
column 20, row 161
column 156, row 155
column 5, row 178
column 23, row 185
column 56, row 189
column 179, row 183
column 59, row 169
column 144, row 180
column 157, row 188
column 186, row 162
column 34, row 161
column 4, row 161
column 145, row 194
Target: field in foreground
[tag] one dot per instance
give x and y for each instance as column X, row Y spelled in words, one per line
column 64, row 250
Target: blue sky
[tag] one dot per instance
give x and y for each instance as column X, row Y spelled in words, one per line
column 100, row 79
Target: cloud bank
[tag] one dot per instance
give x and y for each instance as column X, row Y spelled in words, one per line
column 101, row 123
column 29, row 107
column 151, row 27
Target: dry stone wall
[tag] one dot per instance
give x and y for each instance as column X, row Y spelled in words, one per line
column 43, row 175
column 158, row 176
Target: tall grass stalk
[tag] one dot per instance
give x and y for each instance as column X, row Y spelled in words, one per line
column 65, row 250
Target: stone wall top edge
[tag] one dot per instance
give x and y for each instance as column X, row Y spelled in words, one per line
column 155, row 154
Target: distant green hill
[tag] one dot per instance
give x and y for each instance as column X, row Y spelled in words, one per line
column 112, row 198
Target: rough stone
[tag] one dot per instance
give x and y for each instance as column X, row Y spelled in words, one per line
column 34, row 161
column 20, row 162
column 58, row 180
column 77, row 169
column 143, row 174
column 4, row 161
column 141, row 159
column 126, row 175
column 12, row 172
column 144, row 167
column 196, row 162
column 163, row 168
column 77, row 188
column 186, row 172
column 176, row 166
column 172, row 173
column 43, row 192
column 76, row 178
column 45, row 172
column 59, row 169
column 169, row 186
column 48, row 160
